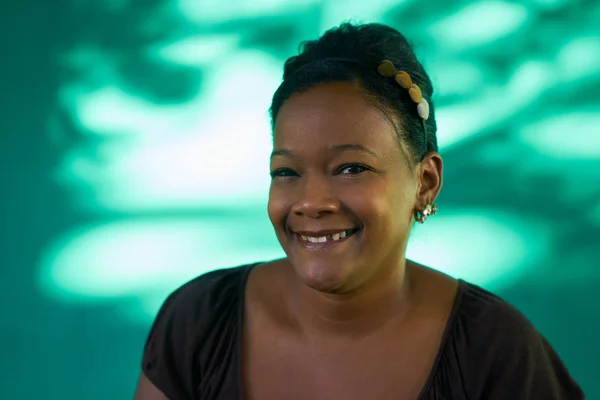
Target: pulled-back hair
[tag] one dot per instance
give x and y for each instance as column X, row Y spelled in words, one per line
column 325, row 61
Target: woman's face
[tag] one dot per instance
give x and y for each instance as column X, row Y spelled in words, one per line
column 338, row 171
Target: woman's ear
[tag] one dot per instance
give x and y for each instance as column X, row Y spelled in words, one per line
column 430, row 179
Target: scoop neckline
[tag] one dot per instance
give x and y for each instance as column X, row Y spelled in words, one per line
column 448, row 329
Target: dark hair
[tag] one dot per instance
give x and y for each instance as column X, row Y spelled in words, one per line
column 322, row 61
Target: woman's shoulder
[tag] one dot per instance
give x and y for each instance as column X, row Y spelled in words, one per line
column 498, row 348
column 494, row 320
column 205, row 294
column 470, row 307
column 477, row 305
column 215, row 280
column 194, row 318
column 493, row 325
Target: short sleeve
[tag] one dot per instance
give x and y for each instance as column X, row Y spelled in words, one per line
column 192, row 343
column 161, row 361
column 509, row 359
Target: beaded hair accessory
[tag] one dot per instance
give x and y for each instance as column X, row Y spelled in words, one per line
column 387, row 69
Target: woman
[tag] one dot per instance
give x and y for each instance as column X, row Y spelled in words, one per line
column 345, row 315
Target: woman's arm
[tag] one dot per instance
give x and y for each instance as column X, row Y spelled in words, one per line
column 145, row 390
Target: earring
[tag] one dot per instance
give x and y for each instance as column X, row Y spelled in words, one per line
column 430, row 209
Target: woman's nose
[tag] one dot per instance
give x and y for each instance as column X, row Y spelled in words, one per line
column 315, row 199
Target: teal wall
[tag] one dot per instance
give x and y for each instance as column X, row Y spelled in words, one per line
column 135, row 144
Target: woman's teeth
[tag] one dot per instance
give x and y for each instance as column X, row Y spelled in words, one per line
column 329, row 238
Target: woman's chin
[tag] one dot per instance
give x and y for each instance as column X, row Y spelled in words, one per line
column 323, row 278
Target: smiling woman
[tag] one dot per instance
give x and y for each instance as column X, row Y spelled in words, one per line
column 341, row 169
column 345, row 315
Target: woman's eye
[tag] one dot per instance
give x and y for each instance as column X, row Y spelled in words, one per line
column 352, row 169
column 283, row 173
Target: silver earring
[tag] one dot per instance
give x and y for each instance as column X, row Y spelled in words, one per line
column 429, row 209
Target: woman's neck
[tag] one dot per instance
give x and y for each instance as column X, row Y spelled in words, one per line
column 378, row 302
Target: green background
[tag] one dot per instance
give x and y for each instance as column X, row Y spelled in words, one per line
column 135, row 142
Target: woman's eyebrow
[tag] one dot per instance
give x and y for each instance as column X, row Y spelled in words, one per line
column 330, row 149
column 351, row 147
column 281, row 152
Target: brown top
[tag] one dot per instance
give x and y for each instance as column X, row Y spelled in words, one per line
column 488, row 350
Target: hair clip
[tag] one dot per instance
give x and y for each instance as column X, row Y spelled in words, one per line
column 388, row 70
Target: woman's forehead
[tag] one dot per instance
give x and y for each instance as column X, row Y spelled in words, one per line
column 331, row 115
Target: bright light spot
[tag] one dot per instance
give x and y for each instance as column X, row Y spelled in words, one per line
column 480, row 23
column 145, row 258
column 459, row 122
column 462, row 121
column 194, row 51
column 457, row 78
column 113, row 112
column 484, row 247
column 217, row 10
column 336, row 11
column 529, row 80
column 212, row 151
column 580, row 58
column 568, row 136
